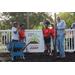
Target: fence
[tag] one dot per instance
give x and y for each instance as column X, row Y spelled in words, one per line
column 69, row 41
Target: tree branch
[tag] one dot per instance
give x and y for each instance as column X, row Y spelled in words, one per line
column 34, row 24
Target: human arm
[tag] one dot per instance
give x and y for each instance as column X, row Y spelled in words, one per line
column 16, row 30
column 24, row 34
column 21, row 35
column 47, row 35
column 63, row 24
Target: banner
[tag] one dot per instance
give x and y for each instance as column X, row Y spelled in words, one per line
column 35, row 37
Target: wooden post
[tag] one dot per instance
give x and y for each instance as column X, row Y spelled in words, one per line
column 54, row 51
column 55, row 31
column 55, row 17
column 27, row 20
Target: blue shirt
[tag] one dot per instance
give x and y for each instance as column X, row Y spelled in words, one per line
column 73, row 25
column 61, row 27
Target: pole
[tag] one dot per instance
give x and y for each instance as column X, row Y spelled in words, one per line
column 55, row 30
column 27, row 20
column 54, row 51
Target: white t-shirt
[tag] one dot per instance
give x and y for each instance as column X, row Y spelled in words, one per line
column 14, row 36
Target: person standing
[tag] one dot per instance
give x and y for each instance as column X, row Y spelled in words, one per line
column 73, row 27
column 4, row 38
column 53, row 33
column 60, row 36
column 22, row 33
column 47, row 38
column 15, row 37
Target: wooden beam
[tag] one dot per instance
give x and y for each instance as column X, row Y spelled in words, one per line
column 27, row 20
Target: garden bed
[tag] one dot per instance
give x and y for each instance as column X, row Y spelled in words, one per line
column 38, row 57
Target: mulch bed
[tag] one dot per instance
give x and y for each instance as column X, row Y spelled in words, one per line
column 37, row 57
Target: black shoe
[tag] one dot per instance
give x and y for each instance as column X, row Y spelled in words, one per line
column 46, row 52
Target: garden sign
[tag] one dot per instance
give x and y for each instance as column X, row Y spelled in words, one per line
column 35, row 37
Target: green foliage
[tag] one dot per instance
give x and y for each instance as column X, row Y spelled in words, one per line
column 68, row 17
column 21, row 18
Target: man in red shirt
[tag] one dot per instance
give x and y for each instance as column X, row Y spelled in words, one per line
column 47, row 33
column 53, row 34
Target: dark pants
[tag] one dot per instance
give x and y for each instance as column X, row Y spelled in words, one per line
column 14, row 40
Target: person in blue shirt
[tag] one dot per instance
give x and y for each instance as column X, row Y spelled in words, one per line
column 60, row 36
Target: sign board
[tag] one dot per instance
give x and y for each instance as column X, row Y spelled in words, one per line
column 35, row 37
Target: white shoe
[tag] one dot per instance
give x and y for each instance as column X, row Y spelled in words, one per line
column 50, row 54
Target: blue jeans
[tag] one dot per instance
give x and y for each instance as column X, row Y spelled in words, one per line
column 21, row 40
column 60, row 40
column 53, row 43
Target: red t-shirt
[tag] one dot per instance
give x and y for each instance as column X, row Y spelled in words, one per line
column 22, row 34
column 46, row 32
column 53, row 32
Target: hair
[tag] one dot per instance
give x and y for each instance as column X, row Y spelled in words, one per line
column 47, row 23
column 21, row 25
column 59, row 17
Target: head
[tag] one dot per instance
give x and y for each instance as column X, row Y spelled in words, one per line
column 58, row 18
column 46, row 24
column 52, row 25
column 22, row 26
column 15, row 24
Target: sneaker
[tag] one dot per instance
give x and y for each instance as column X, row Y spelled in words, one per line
column 50, row 54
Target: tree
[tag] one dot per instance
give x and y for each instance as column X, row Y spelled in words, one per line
column 68, row 17
column 21, row 17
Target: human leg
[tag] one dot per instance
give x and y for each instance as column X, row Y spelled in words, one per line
column 62, row 53
column 58, row 41
column 55, row 43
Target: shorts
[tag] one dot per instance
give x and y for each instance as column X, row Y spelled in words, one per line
column 47, row 40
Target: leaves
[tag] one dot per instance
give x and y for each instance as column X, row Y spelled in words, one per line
column 34, row 35
column 38, row 36
column 21, row 18
column 68, row 17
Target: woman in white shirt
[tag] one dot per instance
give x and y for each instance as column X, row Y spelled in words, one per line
column 15, row 36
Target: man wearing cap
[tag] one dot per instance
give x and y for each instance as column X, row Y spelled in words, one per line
column 15, row 36
column 53, row 34
column 61, row 36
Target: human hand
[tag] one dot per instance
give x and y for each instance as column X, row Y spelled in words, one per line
column 56, row 27
column 44, row 36
column 55, row 24
column 24, row 36
column 18, row 27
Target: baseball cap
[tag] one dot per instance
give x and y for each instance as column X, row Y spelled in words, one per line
column 52, row 24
